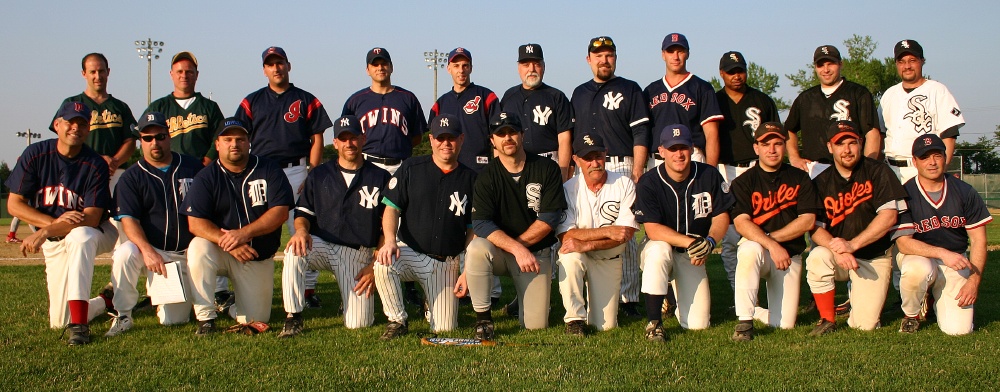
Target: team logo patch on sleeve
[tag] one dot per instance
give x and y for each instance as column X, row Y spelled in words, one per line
column 392, row 183
column 956, row 112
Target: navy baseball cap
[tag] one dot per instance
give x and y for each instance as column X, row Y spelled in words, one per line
column 843, row 129
column 505, row 120
column 927, row 143
column 601, row 42
column 826, row 52
column 71, row 110
column 445, row 124
column 231, row 123
column 908, row 46
column 588, row 143
column 529, row 52
column 184, row 56
column 675, row 39
column 378, row 53
column 346, row 123
column 459, row 52
column 273, row 51
column 675, row 134
column 768, row 129
column 732, row 60
column 149, row 120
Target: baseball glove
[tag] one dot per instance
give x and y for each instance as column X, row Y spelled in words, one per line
column 700, row 248
column 251, row 329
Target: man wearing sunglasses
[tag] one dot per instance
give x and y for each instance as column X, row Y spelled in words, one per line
column 148, row 201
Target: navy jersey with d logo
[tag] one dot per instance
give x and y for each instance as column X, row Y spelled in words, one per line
column 688, row 206
column 154, row 198
column 54, row 184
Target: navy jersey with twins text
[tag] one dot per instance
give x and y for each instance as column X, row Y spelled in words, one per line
column 688, row 206
column 343, row 206
column 474, row 107
column 55, row 184
column 390, row 121
column 616, row 110
column 545, row 113
column 692, row 102
column 154, row 197
column 282, row 125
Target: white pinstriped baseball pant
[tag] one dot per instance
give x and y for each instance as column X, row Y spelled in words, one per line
column 345, row 263
column 436, row 277
column 631, row 275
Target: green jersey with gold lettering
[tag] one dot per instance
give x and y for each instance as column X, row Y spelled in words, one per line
column 192, row 129
column 110, row 124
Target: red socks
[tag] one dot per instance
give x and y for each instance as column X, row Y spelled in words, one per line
column 825, row 305
column 310, row 292
column 78, row 311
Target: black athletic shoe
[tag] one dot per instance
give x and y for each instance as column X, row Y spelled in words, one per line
column 576, row 328
column 823, row 327
column 743, row 331
column 412, row 296
column 512, row 308
column 629, row 309
column 484, row 330
column 108, row 293
column 293, row 327
column 221, row 297
column 313, row 302
column 654, row 332
column 844, row 308
column 909, row 325
column 394, row 330
column 144, row 303
column 206, row 327
column 223, row 308
column 79, row 334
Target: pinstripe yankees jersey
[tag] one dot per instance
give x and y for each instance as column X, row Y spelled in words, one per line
column 474, row 107
column 740, row 120
column 154, row 197
column 942, row 219
column 435, row 206
column 610, row 206
column 688, row 206
column 616, row 110
column 545, row 113
column 282, row 125
column 813, row 112
column 389, row 121
column 929, row 108
column 54, row 184
column 691, row 102
column 342, row 213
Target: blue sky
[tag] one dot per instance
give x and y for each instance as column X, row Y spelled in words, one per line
column 326, row 44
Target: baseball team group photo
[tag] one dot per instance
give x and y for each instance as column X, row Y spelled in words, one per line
column 614, row 235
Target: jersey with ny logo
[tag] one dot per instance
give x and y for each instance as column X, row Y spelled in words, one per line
column 233, row 200
column 545, row 113
column 435, row 207
column 342, row 213
column 813, row 112
column 616, row 110
column 929, row 108
column 282, row 125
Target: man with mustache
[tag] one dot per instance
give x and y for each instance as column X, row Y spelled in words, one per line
column 598, row 226
column 862, row 200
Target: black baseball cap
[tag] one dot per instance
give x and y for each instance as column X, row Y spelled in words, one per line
column 908, row 46
column 826, row 52
column 675, row 134
column 70, row 110
column 445, row 124
column 601, row 42
column 378, row 53
column 231, row 123
column 770, row 128
column 505, row 120
column 150, row 119
column 675, row 39
column 529, row 52
column 732, row 60
column 184, row 56
column 348, row 123
column 842, row 129
column 273, row 51
column 588, row 143
column 927, row 143
column 459, row 52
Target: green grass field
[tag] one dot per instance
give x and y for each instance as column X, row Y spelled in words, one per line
column 329, row 357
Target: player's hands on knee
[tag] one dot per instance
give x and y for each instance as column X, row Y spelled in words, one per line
column 968, row 293
column 955, row 261
column 231, row 239
column 300, row 244
column 846, row 261
column 244, row 253
column 780, row 257
column 71, row 217
column 699, row 261
column 154, row 263
column 366, row 281
column 33, row 243
column 387, row 253
column 800, row 163
column 527, row 261
column 840, row 245
column 571, row 245
column 461, row 286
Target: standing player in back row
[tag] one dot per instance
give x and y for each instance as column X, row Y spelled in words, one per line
column 473, row 105
column 192, row 118
column 614, row 107
column 390, row 116
column 683, row 98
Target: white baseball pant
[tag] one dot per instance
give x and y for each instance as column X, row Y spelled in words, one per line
column 782, row 286
column 631, row 279
column 918, row 274
column 345, row 263
column 253, row 282
column 660, row 264
column 69, row 270
column 869, row 284
column 128, row 264
column 597, row 275
column 732, row 238
column 118, row 225
column 296, row 177
column 436, row 277
column 483, row 260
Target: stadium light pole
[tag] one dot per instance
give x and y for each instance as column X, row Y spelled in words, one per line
column 149, row 50
column 437, row 61
column 29, row 135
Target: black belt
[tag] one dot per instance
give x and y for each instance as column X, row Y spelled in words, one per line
column 897, row 163
column 55, row 239
column 745, row 164
column 293, row 163
column 680, row 250
column 438, row 257
column 384, row 161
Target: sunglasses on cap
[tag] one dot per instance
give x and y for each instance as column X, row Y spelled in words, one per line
column 157, row 137
column 602, row 42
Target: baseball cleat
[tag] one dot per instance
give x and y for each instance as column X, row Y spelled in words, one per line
column 223, row 308
column 512, row 308
column 576, row 328
column 118, row 325
column 313, row 302
column 12, row 238
column 394, row 330
column 743, row 331
column 823, row 327
column 206, row 327
column 108, row 293
column 79, row 334
column 844, row 308
column 669, row 310
column 654, row 331
column 909, row 325
column 629, row 309
column 485, row 330
column 221, row 297
column 145, row 302
column 293, row 327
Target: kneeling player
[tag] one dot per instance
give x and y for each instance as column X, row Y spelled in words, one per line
column 775, row 206
column 933, row 238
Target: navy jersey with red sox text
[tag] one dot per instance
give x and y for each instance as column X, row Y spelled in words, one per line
column 692, row 103
column 851, row 204
column 813, row 113
column 943, row 219
column 389, row 121
column 773, row 200
column 474, row 107
column 54, row 184
column 740, row 120
column 154, row 198
column 688, row 206
column 436, row 207
column 545, row 113
column 343, row 213
column 616, row 110
column 233, row 200
column 282, row 125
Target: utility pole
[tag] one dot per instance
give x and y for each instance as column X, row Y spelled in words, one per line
column 437, row 61
column 29, row 135
column 149, row 50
